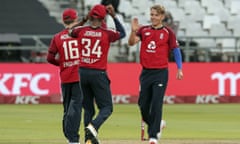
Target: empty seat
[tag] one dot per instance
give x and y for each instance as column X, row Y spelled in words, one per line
column 223, row 14
column 127, row 8
column 140, row 4
column 180, row 33
column 170, row 4
column 195, row 29
column 198, row 15
column 210, row 3
column 209, row 20
column 178, row 14
column 188, row 20
column 233, row 22
column 219, row 30
column 180, row 3
column 90, row 3
column 235, row 7
column 190, row 6
column 236, row 31
column 227, row 3
column 214, row 5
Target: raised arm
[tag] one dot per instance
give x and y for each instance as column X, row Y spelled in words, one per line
column 117, row 23
column 81, row 23
column 133, row 38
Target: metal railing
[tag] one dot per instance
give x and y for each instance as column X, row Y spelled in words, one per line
column 39, row 44
column 222, row 45
column 189, row 50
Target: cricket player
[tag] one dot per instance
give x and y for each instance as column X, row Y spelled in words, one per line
column 94, row 41
column 68, row 60
column 156, row 43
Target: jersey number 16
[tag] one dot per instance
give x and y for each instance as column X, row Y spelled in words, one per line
column 71, row 49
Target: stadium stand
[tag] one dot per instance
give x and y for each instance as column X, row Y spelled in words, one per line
column 208, row 26
column 211, row 26
column 25, row 19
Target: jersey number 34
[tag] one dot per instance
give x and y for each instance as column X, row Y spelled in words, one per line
column 91, row 48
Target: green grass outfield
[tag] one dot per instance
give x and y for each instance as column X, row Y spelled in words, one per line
column 38, row 124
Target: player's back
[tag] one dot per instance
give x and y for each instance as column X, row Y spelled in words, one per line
column 68, row 56
column 94, row 44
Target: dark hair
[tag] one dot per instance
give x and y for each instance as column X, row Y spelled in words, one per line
column 115, row 3
column 68, row 22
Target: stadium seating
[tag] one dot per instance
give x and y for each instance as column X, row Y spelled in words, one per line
column 26, row 17
column 29, row 18
column 200, row 18
column 219, row 30
column 210, row 23
column 196, row 18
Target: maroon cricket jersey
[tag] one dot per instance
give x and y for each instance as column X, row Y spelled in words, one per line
column 67, row 48
column 155, row 46
column 94, row 45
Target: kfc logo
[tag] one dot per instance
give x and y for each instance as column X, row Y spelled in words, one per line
column 13, row 83
column 169, row 99
column 121, row 99
column 221, row 77
column 207, row 99
column 27, row 100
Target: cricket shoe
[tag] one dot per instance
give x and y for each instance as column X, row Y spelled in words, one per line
column 88, row 142
column 153, row 141
column 91, row 135
column 163, row 125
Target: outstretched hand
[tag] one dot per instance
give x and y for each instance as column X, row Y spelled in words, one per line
column 135, row 24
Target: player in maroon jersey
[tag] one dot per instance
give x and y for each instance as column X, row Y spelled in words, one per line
column 94, row 43
column 156, row 43
column 68, row 60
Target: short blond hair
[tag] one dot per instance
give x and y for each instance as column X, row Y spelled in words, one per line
column 159, row 8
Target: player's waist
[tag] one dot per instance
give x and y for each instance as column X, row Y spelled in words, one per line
column 155, row 68
column 92, row 69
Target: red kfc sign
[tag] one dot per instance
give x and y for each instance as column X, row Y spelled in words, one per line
column 28, row 80
column 20, row 81
column 221, row 79
column 202, row 83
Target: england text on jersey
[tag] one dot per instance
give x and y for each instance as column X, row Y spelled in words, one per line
column 71, row 63
column 89, row 60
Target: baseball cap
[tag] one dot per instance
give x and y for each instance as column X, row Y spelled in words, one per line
column 69, row 14
column 98, row 11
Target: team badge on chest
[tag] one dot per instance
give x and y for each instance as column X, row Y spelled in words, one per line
column 161, row 36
